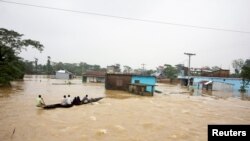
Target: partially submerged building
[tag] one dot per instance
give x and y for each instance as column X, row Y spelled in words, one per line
column 63, row 74
column 140, row 84
column 94, row 77
column 218, row 83
column 203, row 73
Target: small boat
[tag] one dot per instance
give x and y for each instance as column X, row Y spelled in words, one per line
column 58, row 105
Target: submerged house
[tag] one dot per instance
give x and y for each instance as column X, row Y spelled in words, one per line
column 63, row 74
column 203, row 73
column 94, row 77
column 219, row 83
column 140, row 84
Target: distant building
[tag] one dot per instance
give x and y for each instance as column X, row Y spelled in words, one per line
column 210, row 73
column 94, row 76
column 63, row 74
column 130, row 82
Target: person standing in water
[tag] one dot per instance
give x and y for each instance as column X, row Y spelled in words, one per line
column 39, row 101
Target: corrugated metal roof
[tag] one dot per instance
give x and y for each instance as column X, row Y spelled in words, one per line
column 64, row 71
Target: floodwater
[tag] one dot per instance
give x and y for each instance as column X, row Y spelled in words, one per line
column 174, row 115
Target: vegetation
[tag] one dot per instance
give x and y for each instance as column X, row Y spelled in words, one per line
column 170, row 72
column 11, row 65
column 245, row 74
column 51, row 68
column 237, row 65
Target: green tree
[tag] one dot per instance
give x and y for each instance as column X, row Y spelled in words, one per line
column 170, row 72
column 11, row 44
column 245, row 74
column 28, row 67
column 36, row 61
column 127, row 69
column 49, row 67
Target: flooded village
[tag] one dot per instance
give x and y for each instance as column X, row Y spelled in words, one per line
column 135, row 107
column 127, row 70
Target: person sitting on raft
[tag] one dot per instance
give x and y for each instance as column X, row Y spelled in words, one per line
column 85, row 99
column 69, row 100
column 76, row 101
column 39, row 101
column 64, row 100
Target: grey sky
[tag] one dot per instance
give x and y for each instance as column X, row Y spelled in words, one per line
column 74, row 37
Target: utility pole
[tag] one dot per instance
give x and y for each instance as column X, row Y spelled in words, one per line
column 143, row 68
column 189, row 60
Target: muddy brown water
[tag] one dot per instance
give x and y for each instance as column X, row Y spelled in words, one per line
column 174, row 115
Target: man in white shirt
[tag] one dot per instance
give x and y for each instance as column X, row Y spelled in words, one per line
column 64, row 100
column 69, row 100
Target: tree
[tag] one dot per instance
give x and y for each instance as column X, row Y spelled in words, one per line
column 149, row 72
column 36, row 60
column 11, row 45
column 127, row 69
column 237, row 65
column 215, row 68
column 49, row 67
column 117, row 68
column 170, row 72
column 245, row 74
column 28, row 67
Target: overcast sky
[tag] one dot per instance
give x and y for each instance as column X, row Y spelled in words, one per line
column 79, row 37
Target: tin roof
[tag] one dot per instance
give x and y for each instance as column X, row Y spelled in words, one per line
column 64, row 71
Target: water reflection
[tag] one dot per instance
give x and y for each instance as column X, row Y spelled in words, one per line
column 39, row 111
column 16, row 88
column 245, row 96
column 220, row 94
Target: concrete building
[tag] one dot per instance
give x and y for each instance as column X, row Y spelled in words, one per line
column 220, row 83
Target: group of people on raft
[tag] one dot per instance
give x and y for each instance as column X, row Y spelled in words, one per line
column 65, row 101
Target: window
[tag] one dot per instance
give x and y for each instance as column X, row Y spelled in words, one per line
column 137, row 81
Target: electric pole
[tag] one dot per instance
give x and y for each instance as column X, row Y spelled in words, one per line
column 189, row 60
column 143, row 68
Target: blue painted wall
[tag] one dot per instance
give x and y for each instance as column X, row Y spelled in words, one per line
column 236, row 82
column 145, row 80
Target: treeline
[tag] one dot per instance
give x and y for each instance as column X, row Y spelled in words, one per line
column 11, row 65
column 31, row 67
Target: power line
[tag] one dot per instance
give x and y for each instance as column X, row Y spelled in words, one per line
column 126, row 18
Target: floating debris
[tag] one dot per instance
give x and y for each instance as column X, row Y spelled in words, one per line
column 13, row 132
column 157, row 91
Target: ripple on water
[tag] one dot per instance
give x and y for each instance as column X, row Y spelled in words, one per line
column 119, row 127
column 92, row 118
column 102, row 132
column 185, row 111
